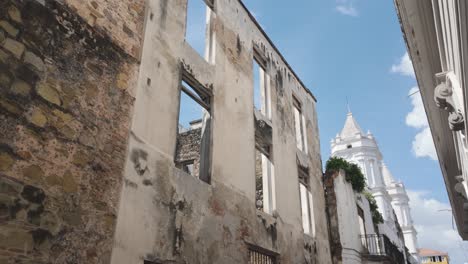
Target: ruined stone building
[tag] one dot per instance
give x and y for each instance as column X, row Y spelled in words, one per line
column 98, row 164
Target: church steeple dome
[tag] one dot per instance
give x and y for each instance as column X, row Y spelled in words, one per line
column 351, row 127
column 387, row 175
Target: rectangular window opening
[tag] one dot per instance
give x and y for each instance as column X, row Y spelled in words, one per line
column 306, row 199
column 261, row 256
column 299, row 126
column 264, row 180
column 150, row 262
column 198, row 32
column 261, row 86
column 194, row 131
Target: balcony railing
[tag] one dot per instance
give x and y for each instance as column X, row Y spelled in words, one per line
column 380, row 245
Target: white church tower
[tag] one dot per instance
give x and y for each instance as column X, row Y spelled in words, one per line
column 357, row 147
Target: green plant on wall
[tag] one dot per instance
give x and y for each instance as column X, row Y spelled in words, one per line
column 358, row 182
column 376, row 215
column 353, row 172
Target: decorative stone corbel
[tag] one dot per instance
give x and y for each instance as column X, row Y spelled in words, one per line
column 443, row 97
column 460, row 187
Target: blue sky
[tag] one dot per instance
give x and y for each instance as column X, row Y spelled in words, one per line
column 346, row 49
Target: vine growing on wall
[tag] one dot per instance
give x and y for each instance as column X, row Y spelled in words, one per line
column 376, row 215
column 355, row 176
column 353, row 172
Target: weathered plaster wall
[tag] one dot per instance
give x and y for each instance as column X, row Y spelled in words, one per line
column 66, row 98
column 168, row 216
column 344, row 219
column 346, row 222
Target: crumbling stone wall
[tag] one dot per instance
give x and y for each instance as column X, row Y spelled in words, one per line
column 168, row 216
column 333, row 217
column 66, row 97
column 188, row 149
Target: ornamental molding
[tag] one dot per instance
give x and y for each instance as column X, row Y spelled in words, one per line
column 444, row 99
column 460, row 187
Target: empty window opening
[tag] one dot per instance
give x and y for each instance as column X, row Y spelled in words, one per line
column 299, row 126
column 261, row 256
column 261, row 86
column 198, row 33
column 194, row 131
column 307, row 206
column 264, row 180
column 150, row 262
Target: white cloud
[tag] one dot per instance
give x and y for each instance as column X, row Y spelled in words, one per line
column 417, row 117
column 423, row 145
column 346, row 7
column 404, row 67
column 434, row 226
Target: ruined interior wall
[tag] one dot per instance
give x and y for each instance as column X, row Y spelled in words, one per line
column 188, row 148
column 65, row 106
column 168, row 216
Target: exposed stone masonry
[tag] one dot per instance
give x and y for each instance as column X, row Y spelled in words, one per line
column 188, row 149
column 65, row 105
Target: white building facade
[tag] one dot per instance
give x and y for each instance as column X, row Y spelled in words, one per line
column 436, row 34
column 359, row 148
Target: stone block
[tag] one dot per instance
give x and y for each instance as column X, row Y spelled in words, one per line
column 69, row 183
column 21, row 88
column 80, row 158
column 6, row 161
column 62, row 118
column 9, row 187
column 10, row 107
column 13, row 46
column 2, row 36
column 5, row 80
column 48, row 93
column 16, row 238
column 3, row 55
column 33, row 172
column 34, row 60
column 11, row 30
column 38, row 118
column 54, row 180
column 15, row 14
